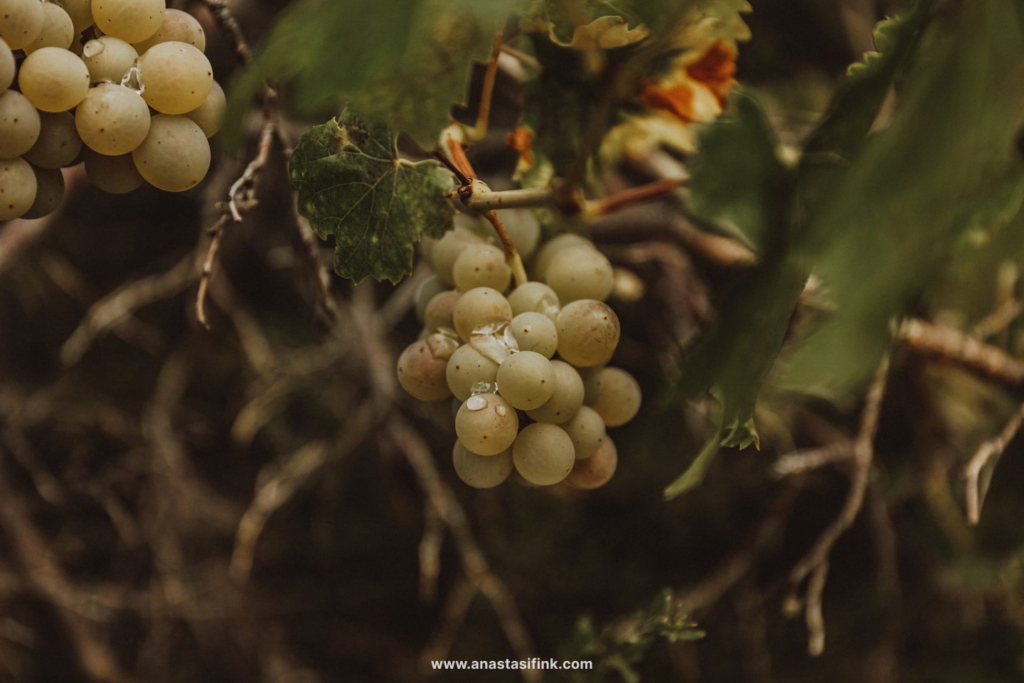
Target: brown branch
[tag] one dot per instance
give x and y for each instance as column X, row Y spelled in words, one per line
column 998, row 320
column 988, row 452
column 813, row 458
column 812, row 611
column 953, row 346
column 430, row 553
column 229, row 27
column 632, row 197
column 460, row 597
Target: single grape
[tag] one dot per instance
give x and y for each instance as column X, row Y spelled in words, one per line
column 534, row 297
column 566, row 399
column 430, row 288
column 114, row 175
column 580, row 273
column 543, row 454
column 468, row 368
column 210, row 114
column 629, row 287
column 448, row 248
column 20, row 22
column 20, row 124
column 80, row 12
column 481, row 265
column 54, row 79
column 479, row 307
column 481, row 471
column 177, row 77
column 129, row 20
column 535, row 332
column 620, row 397
column 17, row 188
column 588, row 332
column 8, row 67
column 57, row 29
column 439, row 311
column 49, row 192
column 421, row 373
column 176, row 26
column 486, row 424
column 591, row 384
column 552, row 247
column 112, row 119
column 526, row 380
column 597, row 470
column 58, row 144
column 175, row 155
column 586, row 429
column 108, row 59
column 523, row 228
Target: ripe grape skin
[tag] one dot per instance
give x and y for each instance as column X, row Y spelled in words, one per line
column 7, row 66
column 587, row 431
column 175, row 26
column 588, row 333
column 130, row 20
column 177, row 77
column 566, row 399
column 422, row 373
column 481, row 265
column 20, row 123
column 535, row 332
column 210, row 114
column 552, row 247
column 54, row 79
column 596, row 471
column 480, row 306
column 526, row 380
column 439, row 311
column 17, row 188
column 113, row 175
column 430, row 288
column 543, row 454
column 580, row 273
column 112, row 119
column 620, row 397
column 58, row 144
column 523, row 229
column 591, row 384
column 175, row 156
column 448, row 248
column 486, row 424
column 49, row 192
column 481, row 471
column 108, row 59
column 466, row 368
column 57, row 30
column 80, row 12
column 20, row 22
column 535, row 297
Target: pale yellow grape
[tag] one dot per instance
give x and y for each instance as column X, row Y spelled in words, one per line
column 481, row 265
column 439, row 311
column 476, row 224
column 526, row 380
column 58, row 144
column 57, row 30
column 210, row 114
column 587, row 431
column 175, row 155
column 591, row 384
column 430, row 288
column 535, row 332
column 17, row 188
column 479, row 307
column 112, row 119
column 130, row 20
column 620, row 397
column 523, row 228
column 54, row 79
column 49, row 192
column 108, row 59
column 177, row 77
column 534, row 297
column 596, row 471
column 486, row 424
column 580, row 273
column 566, row 399
column 543, row 454
column 80, row 12
column 448, row 248
column 7, row 66
column 113, row 175
column 588, row 332
column 176, row 26
column 628, row 286
column 468, row 368
column 20, row 22
column 481, row 471
column 552, row 247
column 20, row 124
column 421, row 372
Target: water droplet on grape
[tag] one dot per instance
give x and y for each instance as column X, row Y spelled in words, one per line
column 476, row 403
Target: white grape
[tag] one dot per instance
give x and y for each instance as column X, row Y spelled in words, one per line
column 49, row 192
column 176, row 26
column 535, row 332
column 479, row 307
column 581, row 272
column 80, row 12
column 543, row 454
column 439, row 311
column 57, row 30
column 20, row 22
column 177, row 77
column 430, row 288
column 523, row 229
column 597, row 470
column 448, row 248
column 58, row 144
column 421, row 372
column 114, row 175
column 210, row 114
column 468, row 368
column 526, row 380
column 566, row 399
column 620, row 397
column 175, row 155
column 534, row 297
column 17, row 188
column 112, row 119
column 486, row 424
column 481, row 471
column 20, row 124
column 587, row 431
column 481, row 265
column 8, row 67
column 591, row 384
column 588, row 332
column 54, row 79
column 129, row 20
column 552, row 247
column 108, row 59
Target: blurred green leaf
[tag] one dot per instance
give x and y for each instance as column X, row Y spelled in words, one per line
column 353, row 186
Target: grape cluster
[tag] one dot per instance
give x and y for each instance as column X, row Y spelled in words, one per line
column 122, row 85
column 517, row 407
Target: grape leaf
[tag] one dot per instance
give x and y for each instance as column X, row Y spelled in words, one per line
column 353, row 186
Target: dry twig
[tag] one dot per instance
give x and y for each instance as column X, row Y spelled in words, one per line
column 988, row 452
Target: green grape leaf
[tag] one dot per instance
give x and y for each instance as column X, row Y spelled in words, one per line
column 353, row 187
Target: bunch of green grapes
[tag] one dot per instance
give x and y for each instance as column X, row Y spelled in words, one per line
column 121, row 85
column 528, row 367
